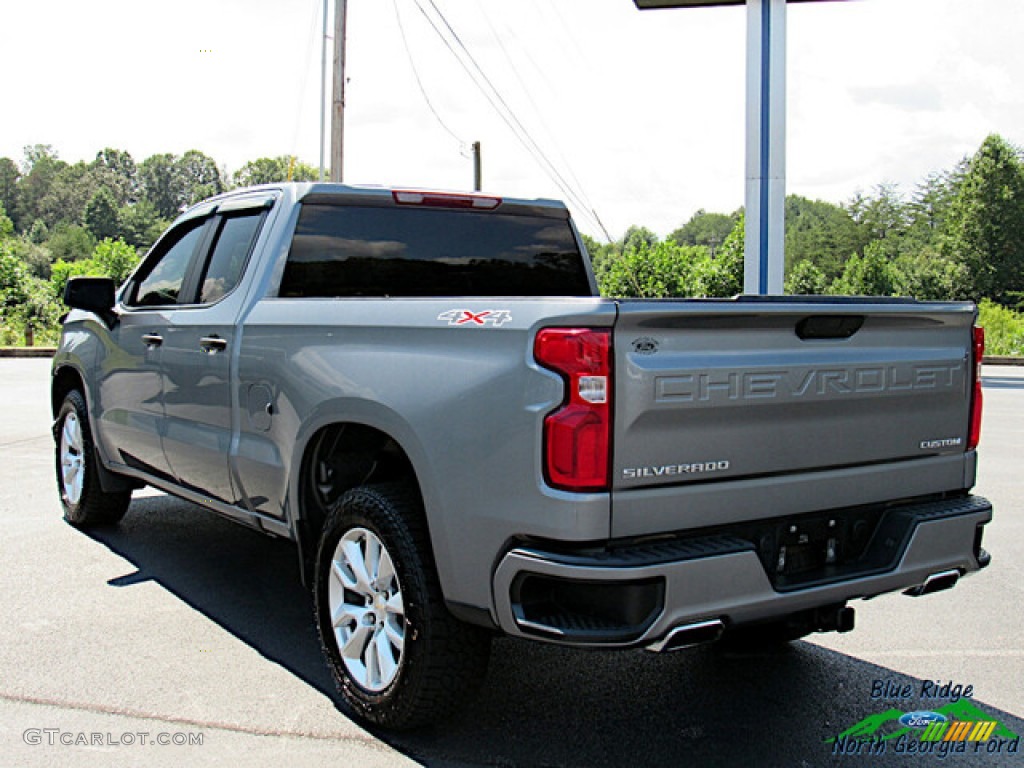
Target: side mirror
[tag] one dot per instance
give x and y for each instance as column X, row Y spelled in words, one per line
column 92, row 294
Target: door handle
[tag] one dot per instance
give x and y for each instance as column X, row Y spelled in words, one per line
column 213, row 344
column 152, row 340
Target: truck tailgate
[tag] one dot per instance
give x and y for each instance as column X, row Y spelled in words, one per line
column 712, row 391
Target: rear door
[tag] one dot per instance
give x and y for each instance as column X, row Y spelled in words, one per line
column 709, row 391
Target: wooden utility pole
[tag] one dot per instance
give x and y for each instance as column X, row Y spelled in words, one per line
column 338, row 102
column 477, row 168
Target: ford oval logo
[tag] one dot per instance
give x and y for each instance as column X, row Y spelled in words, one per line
column 922, row 719
column 645, row 345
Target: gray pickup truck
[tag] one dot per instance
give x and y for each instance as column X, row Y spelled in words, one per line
column 426, row 394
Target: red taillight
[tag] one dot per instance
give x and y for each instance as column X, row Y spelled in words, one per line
column 974, row 431
column 577, row 437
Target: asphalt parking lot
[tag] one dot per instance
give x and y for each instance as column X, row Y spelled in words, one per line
column 180, row 627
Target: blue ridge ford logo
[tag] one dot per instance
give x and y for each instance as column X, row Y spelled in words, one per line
column 922, row 719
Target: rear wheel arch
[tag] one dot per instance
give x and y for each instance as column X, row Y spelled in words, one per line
column 338, row 457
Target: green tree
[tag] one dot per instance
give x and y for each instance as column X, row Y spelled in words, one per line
column 101, row 214
column 35, row 257
column 653, row 271
column 728, row 261
column 39, row 170
column 707, row 229
column 13, row 277
column 38, row 233
column 882, row 216
column 39, row 311
column 930, row 206
column 120, row 174
column 115, row 259
column 273, row 170
column 9, row 175
column 823, row 234
column 199, row 177
column 25, row 303
column 141, row 224
column 637, row 236
column 68, row 195
column 985, row 227
column 927, row 274
column 806, row 279
column 161, row 184
column 71, row 243
column 867, row 275
column 6, row 225
column 1004, row 329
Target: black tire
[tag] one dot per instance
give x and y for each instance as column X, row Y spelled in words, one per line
column 85, row 502
column 442, row 660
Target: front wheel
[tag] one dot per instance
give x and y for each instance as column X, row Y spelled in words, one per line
column 83, row 498
column 399, row 658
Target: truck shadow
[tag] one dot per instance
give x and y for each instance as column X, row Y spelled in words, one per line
column 542, row 705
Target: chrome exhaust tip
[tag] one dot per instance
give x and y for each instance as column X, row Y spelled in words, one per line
column 935, row 583
column 689, row 635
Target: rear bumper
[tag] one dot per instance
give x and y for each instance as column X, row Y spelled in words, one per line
column 636, row 596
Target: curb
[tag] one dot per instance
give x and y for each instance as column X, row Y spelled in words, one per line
column 27, row 351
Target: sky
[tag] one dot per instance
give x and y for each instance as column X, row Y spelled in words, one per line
column 641, row 113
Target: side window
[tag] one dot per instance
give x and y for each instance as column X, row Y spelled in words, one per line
column 231, row 250
column 161, row 284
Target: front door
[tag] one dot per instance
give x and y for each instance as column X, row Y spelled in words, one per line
column 130, row 391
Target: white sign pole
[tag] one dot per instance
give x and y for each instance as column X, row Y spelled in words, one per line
column 764, row 258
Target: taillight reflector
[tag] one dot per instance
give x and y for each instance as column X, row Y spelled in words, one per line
column 974, row 431
column 577, row 436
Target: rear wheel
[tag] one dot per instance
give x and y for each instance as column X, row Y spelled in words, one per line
column 399, row 658
column 83, row 498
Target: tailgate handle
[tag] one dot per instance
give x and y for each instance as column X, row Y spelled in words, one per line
column 829, row 326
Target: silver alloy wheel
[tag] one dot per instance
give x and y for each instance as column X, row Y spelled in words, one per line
column 367, row 611
column 72, row 458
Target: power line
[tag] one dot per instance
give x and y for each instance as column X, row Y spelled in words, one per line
column 419, row 82
column 506, row 113
column 537, row 110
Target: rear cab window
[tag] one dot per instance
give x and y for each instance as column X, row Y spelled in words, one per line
column 370, row 251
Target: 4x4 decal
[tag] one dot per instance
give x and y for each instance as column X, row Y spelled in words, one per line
column 488, row 317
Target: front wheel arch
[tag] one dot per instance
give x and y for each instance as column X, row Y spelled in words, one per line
column 85, row 500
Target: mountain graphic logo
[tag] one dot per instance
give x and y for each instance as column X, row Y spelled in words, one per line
column 885, row 726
